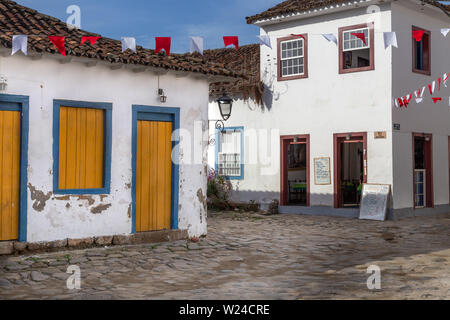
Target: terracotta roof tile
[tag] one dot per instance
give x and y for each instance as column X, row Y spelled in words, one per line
column 294, row 6
column 17, row 19
column 244, row 61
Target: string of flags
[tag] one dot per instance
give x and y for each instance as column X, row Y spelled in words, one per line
column 419, row 93
column 20, row 42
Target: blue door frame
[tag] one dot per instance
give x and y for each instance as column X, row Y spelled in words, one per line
column 150, row 113
column 20, row 103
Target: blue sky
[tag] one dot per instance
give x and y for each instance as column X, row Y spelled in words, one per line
column 179, row 19
column 146, row 19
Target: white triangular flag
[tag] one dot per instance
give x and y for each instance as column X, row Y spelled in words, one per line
column 265, row 40
column 390, row 39
column 330, row 37
column 445, row 79
column 396, row 103
column 419, row 95
column 20, row 42
column 197, row 45
column 444, row 31
column 128, row 43
column 432, row 86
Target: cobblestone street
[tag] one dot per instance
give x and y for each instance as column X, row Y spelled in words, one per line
column 252, row 257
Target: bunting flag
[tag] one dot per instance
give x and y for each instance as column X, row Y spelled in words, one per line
column 444, row 79
column 419, row 95
column 360, row 36
column 418, row 34
column 229, row 40
column 431, row 87
column 264, row 40
column 330, row 37
column 163, row 43
column 439, row 84
column 128, row 43
column 407, row 100
column 299, row 36
column 59, row 43
column 92, row 40
column 20, row 43
column 197, row 45
column 444, row 31
column 390, row 39
column 398, row 103
column 435, row 100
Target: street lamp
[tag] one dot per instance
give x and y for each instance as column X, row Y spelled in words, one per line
column 225, row 104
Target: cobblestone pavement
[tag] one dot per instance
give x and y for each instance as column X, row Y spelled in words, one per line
column 252, row 257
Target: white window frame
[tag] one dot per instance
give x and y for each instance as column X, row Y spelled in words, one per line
column 230, row 165
column 302, row 41
column 358, row 41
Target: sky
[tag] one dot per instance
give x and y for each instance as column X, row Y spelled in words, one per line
column 147, row 19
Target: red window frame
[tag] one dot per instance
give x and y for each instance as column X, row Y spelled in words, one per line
column 372, row 46
column 305, row 54
column 427, row 50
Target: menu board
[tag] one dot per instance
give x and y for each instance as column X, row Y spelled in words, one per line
column 374, row 201
column 322, row 174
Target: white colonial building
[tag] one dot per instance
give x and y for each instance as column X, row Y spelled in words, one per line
column 89, row 145
column 328, row 122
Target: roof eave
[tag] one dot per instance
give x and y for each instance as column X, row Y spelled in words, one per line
column 317, row 12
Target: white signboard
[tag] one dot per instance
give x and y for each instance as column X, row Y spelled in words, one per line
column 322, row 171
column 374, row 201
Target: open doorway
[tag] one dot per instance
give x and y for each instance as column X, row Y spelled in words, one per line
column 295, row 170
column 350, row 161
column 423, row 170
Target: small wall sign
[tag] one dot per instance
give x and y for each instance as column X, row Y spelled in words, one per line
column 322, row 175
column 380, row 135
column 397, row 126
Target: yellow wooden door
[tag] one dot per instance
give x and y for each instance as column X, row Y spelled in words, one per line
column 9, row 174
column 153, row 175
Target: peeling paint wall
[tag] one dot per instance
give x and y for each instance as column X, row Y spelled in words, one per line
column 55, row 217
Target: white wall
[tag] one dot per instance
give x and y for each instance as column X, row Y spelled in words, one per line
column 426, row 117
column 46, row 79
column 325, row 103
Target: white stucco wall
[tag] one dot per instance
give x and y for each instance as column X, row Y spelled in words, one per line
column 426, row 117
column 323, row 104
column 47, row 79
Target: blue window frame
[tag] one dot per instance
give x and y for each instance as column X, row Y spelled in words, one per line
column 107, row 107
column 168, row 114
column 20, row 103
column 230, row 165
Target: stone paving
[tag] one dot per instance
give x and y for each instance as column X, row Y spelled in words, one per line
column 248, row 256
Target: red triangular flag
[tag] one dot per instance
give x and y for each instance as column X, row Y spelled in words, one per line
column 435, row 100
column 231, row 40
column 407, row 100
column 439, row 84
column 400, row 102
column 59, row 43
column 298, row 35
column 92, row 40
column 360, row 35
column 163, row 43
column 418, row 34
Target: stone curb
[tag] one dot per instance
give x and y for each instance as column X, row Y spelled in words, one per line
column 15, row 247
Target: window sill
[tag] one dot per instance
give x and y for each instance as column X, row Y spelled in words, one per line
column 424, row 72
column 286, row 78
column 83, row 191
column 362, row 69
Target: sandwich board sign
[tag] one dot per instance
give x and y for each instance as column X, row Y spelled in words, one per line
column 374, row 201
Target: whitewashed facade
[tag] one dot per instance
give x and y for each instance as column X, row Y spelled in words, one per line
column 328, row 105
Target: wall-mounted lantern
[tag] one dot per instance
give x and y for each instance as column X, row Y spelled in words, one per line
column 162, row 96
column 225, row 105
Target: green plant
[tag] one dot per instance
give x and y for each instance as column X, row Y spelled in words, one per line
column 218, row 192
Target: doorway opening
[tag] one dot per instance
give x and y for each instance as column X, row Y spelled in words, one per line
column 350, row 168
column 423, row 171
column 295, row 170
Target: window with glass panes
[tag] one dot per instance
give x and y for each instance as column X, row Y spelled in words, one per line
column 351, row 42
column 229, row 157
column 292, row 61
